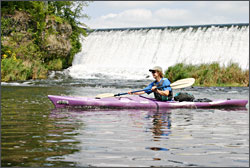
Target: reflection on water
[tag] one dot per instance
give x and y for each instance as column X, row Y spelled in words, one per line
column 137, row 138
column 161, row 127
column 30, row 139
column 34, row 134
column 29, row 136
column 161, row 124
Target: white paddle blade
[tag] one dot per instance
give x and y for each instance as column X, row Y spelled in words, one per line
column 181, row 86
column 104, row 95
column 183, row 83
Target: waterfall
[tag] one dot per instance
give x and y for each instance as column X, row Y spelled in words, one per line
column 129, row 53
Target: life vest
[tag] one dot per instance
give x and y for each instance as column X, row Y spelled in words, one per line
column 160, row 97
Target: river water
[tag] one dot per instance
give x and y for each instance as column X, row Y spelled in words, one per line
column 35, row 134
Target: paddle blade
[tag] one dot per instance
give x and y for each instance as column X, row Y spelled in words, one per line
column 104, row 95
column 183, row 83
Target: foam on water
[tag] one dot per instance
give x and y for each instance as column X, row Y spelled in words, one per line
column 27, row 83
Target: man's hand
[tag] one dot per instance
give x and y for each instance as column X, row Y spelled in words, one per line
column 154, row 88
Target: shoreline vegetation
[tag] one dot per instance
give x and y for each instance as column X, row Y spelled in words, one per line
column 38, row 37
column 206, row 75
column 42, row 36
column 210, row 74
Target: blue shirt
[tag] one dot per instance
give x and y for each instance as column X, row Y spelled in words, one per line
column 166, row 83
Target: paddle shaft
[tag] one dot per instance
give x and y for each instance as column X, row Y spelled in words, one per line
column 119, row 94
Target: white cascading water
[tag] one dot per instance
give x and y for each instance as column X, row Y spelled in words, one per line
column 128, row 54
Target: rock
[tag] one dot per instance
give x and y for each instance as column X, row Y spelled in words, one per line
column 57, row 44
column 19, row 22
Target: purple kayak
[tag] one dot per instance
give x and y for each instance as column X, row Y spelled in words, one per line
column 138, row 102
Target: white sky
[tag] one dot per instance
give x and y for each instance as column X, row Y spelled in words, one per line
column 122, row 14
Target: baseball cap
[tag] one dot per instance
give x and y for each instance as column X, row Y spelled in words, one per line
column 156, row 68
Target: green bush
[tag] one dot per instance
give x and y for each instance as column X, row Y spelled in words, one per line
column 55, row 64
column 13, row 69
column 179, row 71
column 39, row 71
column 210, row 74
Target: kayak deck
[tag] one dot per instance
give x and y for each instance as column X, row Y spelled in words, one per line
column 138, row 102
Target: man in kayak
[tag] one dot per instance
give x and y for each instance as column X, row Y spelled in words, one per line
column 163, row 94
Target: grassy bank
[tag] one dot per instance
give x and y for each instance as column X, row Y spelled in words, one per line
column 210, row 74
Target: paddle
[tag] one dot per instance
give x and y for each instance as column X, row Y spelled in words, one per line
column 176, row 85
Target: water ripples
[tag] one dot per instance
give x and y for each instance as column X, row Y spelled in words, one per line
column 33, row 134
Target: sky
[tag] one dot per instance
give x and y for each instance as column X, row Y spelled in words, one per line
column 124, row 14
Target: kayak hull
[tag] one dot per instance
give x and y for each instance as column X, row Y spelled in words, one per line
column 138, row 102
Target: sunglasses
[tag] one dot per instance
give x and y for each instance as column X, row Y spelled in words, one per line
column 153, row 72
